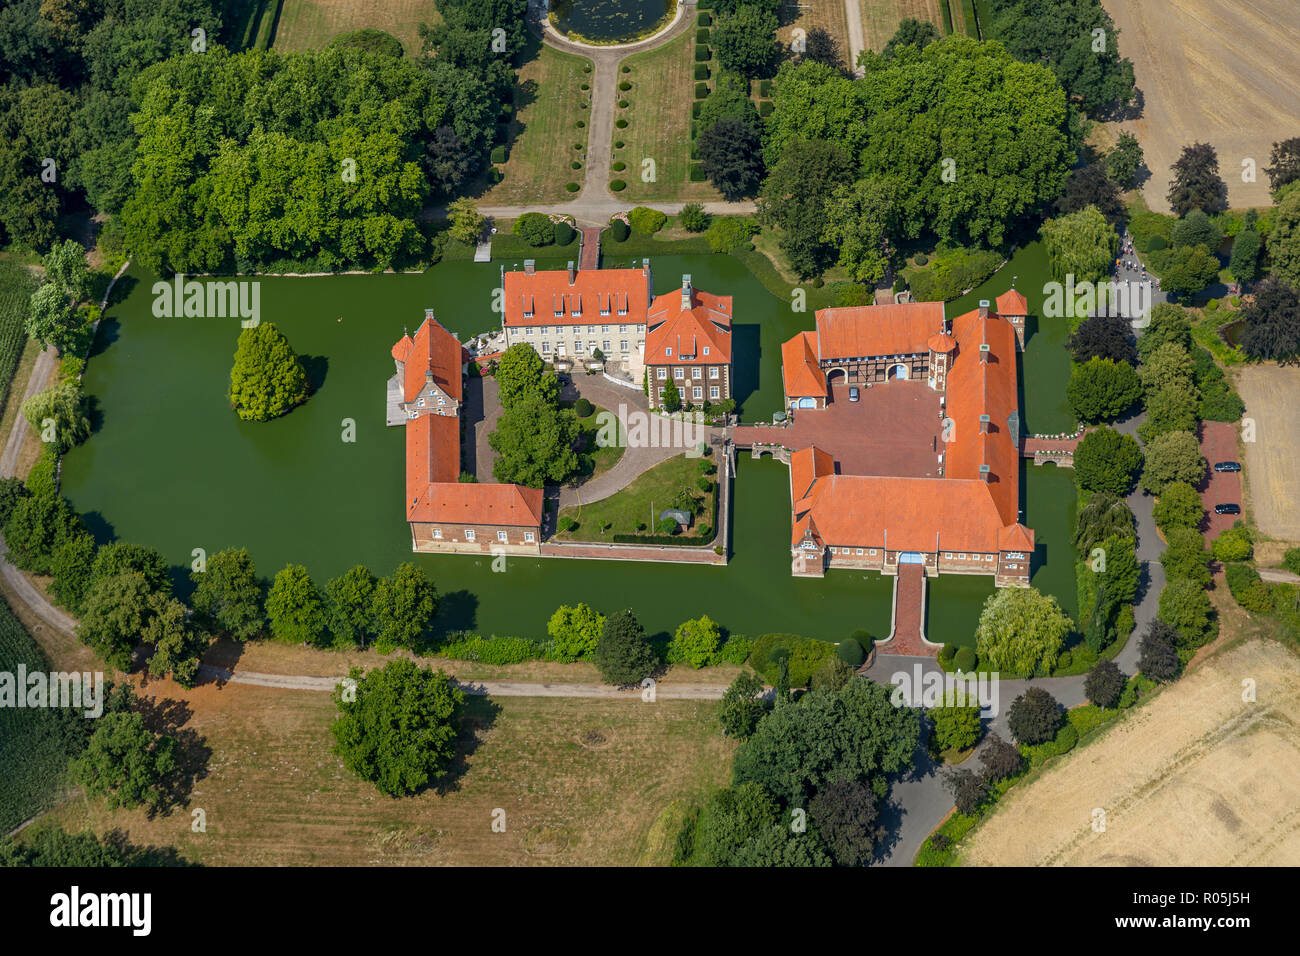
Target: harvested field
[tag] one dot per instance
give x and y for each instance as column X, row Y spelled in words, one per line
column 880, row 18
column 1216, row 72
column 312, row 24
column 1272, row 465
column 1196, row 777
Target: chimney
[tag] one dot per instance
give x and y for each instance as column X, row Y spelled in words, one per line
column 984, row 424
column 530, row 266
column 645, row 268
column 649, row 282
column 686, row 292
column 984, row 308
column 984, row 473
column 984, row 353
column 428, row 315
column 573, row 273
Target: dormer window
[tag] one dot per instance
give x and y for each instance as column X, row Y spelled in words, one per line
column 419, row 403
column 706, row 350
column 668, row 351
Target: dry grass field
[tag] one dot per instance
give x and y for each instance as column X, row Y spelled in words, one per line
column 827, row 14
column 1272, row 475
column 312, row 24
column 582, row 782
column 880, row 18
column 1196, row 777
column 1212, row 71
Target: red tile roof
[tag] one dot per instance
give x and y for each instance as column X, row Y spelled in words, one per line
column 860, row 331
column 1012, row 302
column 687, row 332
column 591, row 290
column 965, row 511
column 433, row 492
column 799, row 369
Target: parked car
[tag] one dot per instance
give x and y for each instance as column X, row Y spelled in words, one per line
column 853, row 393
column 1227, row 509
column 1227, row 466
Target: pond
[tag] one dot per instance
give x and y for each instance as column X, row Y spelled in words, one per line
column 171, row 466
column 609, row 21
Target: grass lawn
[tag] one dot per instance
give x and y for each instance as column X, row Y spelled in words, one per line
column 657, row 489
column 603, row 457
column 581, row 782
column 880, row 18
column 827, row 14
column 312, row 24
column 549, row 103
column 658, row 118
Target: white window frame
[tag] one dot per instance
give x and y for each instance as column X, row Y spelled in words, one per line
column 469, row 534
column 503, row 537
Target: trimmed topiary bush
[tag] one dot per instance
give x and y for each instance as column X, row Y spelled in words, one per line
column 766, row 108
column 619, row 230
column 625, row 86
column 534, row 228
column 702, row 35
column 850, row 652
column 964, row 659
column 571, row 187
column 583, row 408
column 701, row 90
column 764, row 88
column 621, row 123
column 618, row 185
column 574, row 164
column 697, row 173
column 623, row 104
column 619, row 166
column 618, row 144
column 701, row 54
column 701, row 71
column 564, row 232
column 499, row 154
column 703, row 20
column 946, row 653
column 645, row 220
column 581, row 124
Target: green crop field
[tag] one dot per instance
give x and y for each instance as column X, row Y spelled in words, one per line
column 33, row 743
column 16, row 288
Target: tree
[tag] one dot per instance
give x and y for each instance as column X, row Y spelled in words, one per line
column 1104, row 336
column 1091, row 186
column 228, row 594
column 744, row 41
column 742, row 706
column 466, row 223
column 911, row 32
column 177, row 646
column 1125, row 161
column 623, row 654
column 1171, row 408
column 114, row 614
column 859, row 222
column 1285, row 165
column 1196, row 183
column 847, row 820
column 1104, row 684
column 1103, row 516
column 65, row 268
column 1169, row 323
column 404, row 606
column 70, row 568
column 1196, row 229
column 36, row 528
column 729, row 100
column 576, row 631
column 1272, row 322
column 731, row 818
column 1020, row 631
column 1234, row 544
column 295, row 610
column 522, row 374
column 126, row 763
column 821, row 47
column 120, row 557
column 534, row 444
column 1186, row 608
column 731, row 157
column 397, row 725
column 693, row 217
column 695, row 642
column 1185, row 556
column 1284, row 239
column 1158, row 657
column 267, row 379
column 1179, row 506
column 52, row 321
column 1107, row 461
column 1167, row 366
column 1101, row 389
column 535, row 228
column 956, row 724
column 1034, row 717
column 794, row 198
column 1244, row 263
column 968, row 788
column 1000, row 758
column 671, row 400
column 447, row 162
column 857, row 734
column 1174, row 456
column 1190, row 269
column 349, row 602
column 63, row 406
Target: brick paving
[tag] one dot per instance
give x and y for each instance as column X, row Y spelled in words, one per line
column 892, row 431
column 1219, row 443
column 909, row 614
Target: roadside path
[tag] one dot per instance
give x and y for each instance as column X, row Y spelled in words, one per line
column 857, row 42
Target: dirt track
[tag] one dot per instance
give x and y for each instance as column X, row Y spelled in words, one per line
column 1216, row 71
column 1195, row 778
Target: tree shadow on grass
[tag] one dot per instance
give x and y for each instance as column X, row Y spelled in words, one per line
column 165, row 715
column 478, row 717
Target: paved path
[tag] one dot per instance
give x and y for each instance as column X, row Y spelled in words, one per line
column 41, row 369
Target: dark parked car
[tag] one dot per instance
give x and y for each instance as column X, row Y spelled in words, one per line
column 1228, row 466
column 1227, row 509
column 853, row 393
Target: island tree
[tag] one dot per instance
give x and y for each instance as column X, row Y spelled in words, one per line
column 267, row 379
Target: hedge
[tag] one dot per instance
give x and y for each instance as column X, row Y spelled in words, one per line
column 702, row 35
column 701, row 71
column 701, row 90
column 682, row 540
column 766, row 108
column 764, row 87
column 702, row 54
column 499, row 154
column 703, row 20
column 697, row 173
column 491, row 650
column 802, row 654
column 695, row 109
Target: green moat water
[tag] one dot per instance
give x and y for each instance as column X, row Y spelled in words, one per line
column 171, row 466
column 608, row 21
